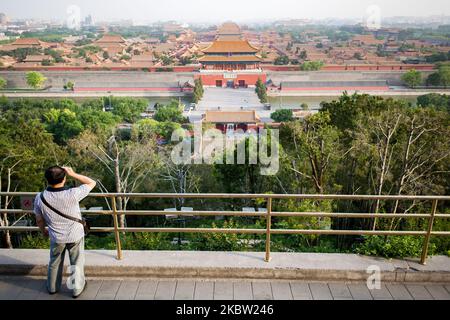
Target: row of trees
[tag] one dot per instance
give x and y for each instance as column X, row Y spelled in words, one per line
column 34, row 79
column 440, row 78
column 358, row 144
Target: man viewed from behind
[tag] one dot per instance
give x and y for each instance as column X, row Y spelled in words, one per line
column 65, row 234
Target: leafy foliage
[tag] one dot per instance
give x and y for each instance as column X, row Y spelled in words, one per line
column 283, row 115
column 412, row 78
column 393, row 246
column 261, row 91
column 35, row 79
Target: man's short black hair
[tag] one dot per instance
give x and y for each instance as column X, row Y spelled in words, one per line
column 55, row 175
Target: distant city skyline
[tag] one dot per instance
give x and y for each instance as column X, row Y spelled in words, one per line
column 209, row 11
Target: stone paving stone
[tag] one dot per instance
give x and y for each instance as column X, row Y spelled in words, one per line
column 262, row 291
column 204, row 290
column 223, row 290
column 31, row 289
column 438, row 292
column 242, row 290
column 146, row 290
column 320, row 291
column 165, row 290
column 419, row 292
column 9, row 290
column 340, row 291
column 281, row 291
column 360, row 292
column 92, row 289
column 185, row 290
column 108, row 290
column 301, row 291
column 64, row 294
column 127, row 290
column 447, row 288
column 399, row 292
column 381, row 294
column 44, row 295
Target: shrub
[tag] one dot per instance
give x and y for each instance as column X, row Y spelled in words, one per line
column 34, row 242
column 393, row 246
column 219, row 241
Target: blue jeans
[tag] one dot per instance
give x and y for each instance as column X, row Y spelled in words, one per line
column 56, row 266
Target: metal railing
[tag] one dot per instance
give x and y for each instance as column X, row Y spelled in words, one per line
column 268, row 231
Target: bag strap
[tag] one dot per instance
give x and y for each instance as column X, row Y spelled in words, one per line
column 59, row 212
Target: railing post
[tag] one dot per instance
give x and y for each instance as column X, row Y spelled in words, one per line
column 116, row 229
column 426, row 242
column 268, row 226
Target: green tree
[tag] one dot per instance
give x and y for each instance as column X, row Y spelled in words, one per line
column 198, row 90
column 63, row 124
column 303, row 55
column 439, row 101
column 412, row 78
column 70, row 86
column 129, row 109
column 283, row 115
column 441, row 77
column 311, row 66
column 3, row 83
column 314, row 149
column 282, row 60
column 166, row 60
column 170, row 113
column 151, row 128
column 261, row 91
column 35, row 79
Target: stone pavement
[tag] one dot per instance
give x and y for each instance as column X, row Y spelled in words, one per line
column 229, row 99
column 229, row 265
column 29, row 288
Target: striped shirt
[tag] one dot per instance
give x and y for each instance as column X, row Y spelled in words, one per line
column 60, row 229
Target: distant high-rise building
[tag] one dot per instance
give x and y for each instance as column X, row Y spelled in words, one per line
column 88, row 21
column 3, row 19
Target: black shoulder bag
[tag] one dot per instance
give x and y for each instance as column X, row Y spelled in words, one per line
column 84, row 223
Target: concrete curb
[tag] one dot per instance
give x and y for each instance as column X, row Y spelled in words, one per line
column 232, row 265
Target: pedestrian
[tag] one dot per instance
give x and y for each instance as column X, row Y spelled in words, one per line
column 58, row 208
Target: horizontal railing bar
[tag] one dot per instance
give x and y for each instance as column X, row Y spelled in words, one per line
column 350, row 215
column 348, row 232
column 247, row 231
column 248, row 196
column 440, row 233
column 32, row 229
column 194, row 230
column 191, row 213
column 245, row 214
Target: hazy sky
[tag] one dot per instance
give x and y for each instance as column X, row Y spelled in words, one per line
column 215, row 10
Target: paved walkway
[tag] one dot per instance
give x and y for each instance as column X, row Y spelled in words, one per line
column 229, row 99
column 23, row 288
column 224, row 265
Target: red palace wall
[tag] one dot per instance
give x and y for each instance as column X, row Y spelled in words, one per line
column 362, row 67
column 373, row 67
column 386, row 88
column 93, row 89
column 250, row 79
